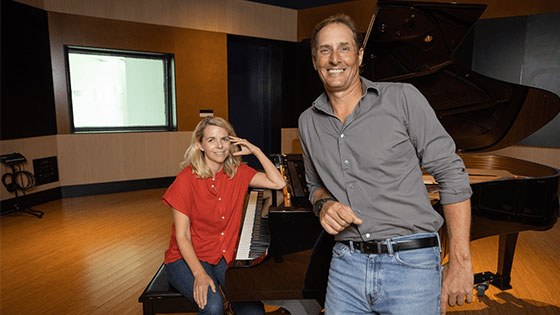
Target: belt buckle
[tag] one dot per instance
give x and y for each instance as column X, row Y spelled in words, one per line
column 379, row 249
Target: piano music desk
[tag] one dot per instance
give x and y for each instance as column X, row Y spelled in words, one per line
column 160, row 297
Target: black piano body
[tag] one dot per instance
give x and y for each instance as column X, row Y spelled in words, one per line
column 281, row 274
column 414, row 42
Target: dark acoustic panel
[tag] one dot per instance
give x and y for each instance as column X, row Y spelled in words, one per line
column 260, row 84
column 522, row 50
column 541, row 68
column 28, row 108
column 499, row 47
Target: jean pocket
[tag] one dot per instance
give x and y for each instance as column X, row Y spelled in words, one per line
column 340, row 249
column 423, row 258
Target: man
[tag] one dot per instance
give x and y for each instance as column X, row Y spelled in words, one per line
column 364, row 144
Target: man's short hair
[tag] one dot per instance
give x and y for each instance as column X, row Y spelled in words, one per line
column 337, row 18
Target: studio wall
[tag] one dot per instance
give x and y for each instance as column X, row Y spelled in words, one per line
column 196, row 32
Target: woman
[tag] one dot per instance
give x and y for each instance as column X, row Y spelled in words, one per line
column 207, row 198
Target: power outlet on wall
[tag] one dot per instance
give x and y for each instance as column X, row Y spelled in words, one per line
column 45, row 170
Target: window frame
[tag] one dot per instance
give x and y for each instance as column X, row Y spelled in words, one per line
column 169, row 86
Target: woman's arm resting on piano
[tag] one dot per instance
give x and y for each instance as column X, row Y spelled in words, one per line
column 458, row 276
column 271, row 178
column 201, row 279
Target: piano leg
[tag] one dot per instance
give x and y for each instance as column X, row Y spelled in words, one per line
column 297, row 307
column 505, row 260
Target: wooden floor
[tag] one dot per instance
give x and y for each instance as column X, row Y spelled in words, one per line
column 95, row 255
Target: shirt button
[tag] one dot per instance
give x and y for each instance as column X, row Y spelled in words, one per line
column 219, row 198
column 342, row 135
column 223, row 218
column 346, row 162
column 213, row 186
column 368, row 235
column 222, row 233
column 351, row 186
column 223, row 250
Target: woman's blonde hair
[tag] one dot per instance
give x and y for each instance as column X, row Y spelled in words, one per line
column 195, row 156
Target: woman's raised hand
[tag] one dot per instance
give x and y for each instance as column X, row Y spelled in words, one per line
column 245, row 146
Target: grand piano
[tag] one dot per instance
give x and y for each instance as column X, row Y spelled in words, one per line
column 415, row 43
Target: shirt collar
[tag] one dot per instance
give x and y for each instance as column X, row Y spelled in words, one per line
column 322, row 102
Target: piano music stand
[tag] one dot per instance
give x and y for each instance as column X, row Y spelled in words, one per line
column 11, row 160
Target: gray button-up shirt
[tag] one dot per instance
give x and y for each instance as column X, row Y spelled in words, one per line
column 372, row 161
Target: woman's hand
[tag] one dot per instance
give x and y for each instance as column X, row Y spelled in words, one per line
column 245, row 146
column 200, row 289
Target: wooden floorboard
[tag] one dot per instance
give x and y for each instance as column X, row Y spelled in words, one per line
column 96, row 254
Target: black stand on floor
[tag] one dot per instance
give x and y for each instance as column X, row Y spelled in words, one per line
column 11, row 160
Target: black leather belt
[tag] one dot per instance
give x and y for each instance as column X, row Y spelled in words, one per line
column 380, row 247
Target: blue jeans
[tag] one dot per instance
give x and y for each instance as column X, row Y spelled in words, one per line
column 181, row 278
column 403, row 283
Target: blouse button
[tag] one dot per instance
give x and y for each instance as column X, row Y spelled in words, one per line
column 223, row 217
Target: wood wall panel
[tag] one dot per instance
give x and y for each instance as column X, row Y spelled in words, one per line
column 200, row 60
column 102, row 158
column 232, row 16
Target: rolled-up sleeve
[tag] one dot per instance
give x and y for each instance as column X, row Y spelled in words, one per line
column 435, row 147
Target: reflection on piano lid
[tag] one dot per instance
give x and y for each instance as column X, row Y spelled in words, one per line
column 414, row 43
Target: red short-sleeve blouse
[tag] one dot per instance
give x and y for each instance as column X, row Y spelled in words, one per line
column 214, row 207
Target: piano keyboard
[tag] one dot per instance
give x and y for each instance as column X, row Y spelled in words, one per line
column 254, row 239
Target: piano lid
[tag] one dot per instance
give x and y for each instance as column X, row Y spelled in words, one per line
column 414, row 42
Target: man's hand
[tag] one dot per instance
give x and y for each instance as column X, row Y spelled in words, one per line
column 458, row 279
column 458, row 284
column 335, row 217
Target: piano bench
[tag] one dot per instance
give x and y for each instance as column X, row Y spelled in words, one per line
column 160, row 297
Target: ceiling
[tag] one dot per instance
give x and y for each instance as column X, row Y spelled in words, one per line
column 298, row 4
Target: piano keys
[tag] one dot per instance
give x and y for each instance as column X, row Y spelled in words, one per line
column 279, row 276
column 254, row 239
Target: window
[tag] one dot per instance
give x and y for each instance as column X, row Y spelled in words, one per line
column 115, row 90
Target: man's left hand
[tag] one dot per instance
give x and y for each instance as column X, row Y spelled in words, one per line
column 458, row 284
